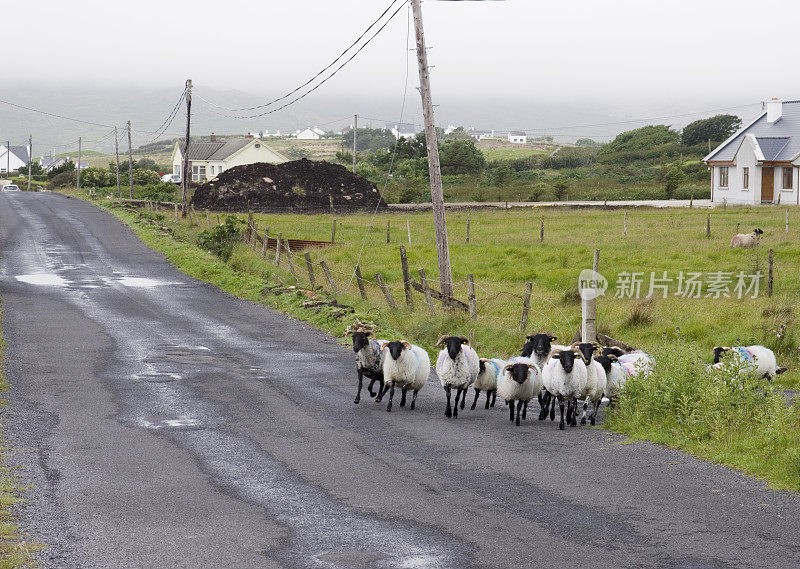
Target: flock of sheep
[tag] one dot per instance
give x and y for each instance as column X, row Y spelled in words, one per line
column 566, row 375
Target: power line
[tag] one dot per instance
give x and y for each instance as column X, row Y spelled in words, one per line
column 54, row 114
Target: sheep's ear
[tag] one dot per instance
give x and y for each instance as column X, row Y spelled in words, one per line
column 529, row 338
column 440, row 340
column 484, row 360
column 533, row 367
column 366, row 331
column 508, row 367
column 406, row 345
column 464, row 340
column 555, row 353
column 612, row 358
column 383, row 343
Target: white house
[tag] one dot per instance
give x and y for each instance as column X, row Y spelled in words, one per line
column 517, row 137
column 209, row 159
column 402, row 130
column 47, row 163
column 479, row 134
column 313, row 133
column 760, row 163
column 13, row 158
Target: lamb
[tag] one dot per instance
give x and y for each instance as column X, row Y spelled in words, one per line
column 457, row 367
column 565, row 380
column 405, row 365
column 488, row 370
column 747, row 240
column 758, row 360
column 595, row 381
column 518, row 381
column 369, row 359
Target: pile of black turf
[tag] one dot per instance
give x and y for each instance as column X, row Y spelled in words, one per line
column 301, row 185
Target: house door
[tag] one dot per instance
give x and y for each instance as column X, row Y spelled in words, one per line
column 767, row 184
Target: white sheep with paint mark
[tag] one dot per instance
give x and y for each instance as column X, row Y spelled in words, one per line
column 488, row 370
column 564, row 377
column 519, row 380
column 756, row 360
column 457, row 367
column 747, row 240
column 595, row 381
column 406, row 366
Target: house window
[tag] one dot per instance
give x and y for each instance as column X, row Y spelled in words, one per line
column 787, row 177
column 176, row 169
column 212, row 170
column 198, row 173
column 745, row 178
column 723, row 177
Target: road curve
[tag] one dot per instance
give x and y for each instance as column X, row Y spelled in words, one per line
column 163, row 423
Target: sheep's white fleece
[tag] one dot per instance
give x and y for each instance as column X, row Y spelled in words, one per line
column 558, row 382
column 487, row 379
column 758, row 360
column 616, row 378
column 460, row 372
column 595, row 382
column 371, row 356
column 510, row 390
column 745, row 240
column 410, row 370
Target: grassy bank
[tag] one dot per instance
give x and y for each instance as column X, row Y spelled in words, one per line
column 504, row 254
column 15, row 550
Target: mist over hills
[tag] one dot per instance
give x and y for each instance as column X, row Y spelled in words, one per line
column 147, row 108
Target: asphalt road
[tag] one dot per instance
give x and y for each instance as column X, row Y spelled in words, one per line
column 163, row 423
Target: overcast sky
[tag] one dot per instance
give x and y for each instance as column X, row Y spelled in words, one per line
column 644, row 57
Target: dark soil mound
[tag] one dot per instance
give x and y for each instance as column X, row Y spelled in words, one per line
column 302, row 185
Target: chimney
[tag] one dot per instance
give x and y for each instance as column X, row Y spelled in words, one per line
column 213, row 137
column 774, row 110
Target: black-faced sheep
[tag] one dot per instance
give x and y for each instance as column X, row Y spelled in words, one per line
column 457, row 367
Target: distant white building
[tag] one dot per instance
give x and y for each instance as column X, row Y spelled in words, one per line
column 312, row 133
column 13, row 158
column 760, row 163
column 517, row 137
column 402, row 130
column 479, row 134
column 209, row 159
column 47, row 163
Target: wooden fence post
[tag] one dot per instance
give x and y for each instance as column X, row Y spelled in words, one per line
column 468, row 230
column 265, row 244
column 708, row 226
column 248, row 236
column 541, row 230
column 691, row 201
column 625, row 226
column 473, row 306
column 428, row 299
column 331, row 282
column 208, row 219
column 360, row 280
column 289, row 257
column 388, row 234
column 769, row 277
column 406, row 277
column 310, row 268
column 333, row 232
column 219, row 221
column 526, row 305
column 176, row 211
column 386, row 292
column 193, row 218
column 589, row 309
column 787, row 220
column 278, row 249
column 408, row 229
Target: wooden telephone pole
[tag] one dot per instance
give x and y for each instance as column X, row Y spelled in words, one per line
column 130, row 159
column 355, row 146
column 437, row 197
column 30, row 162
column 78, row 173
column 185, row 166
column 116, row 151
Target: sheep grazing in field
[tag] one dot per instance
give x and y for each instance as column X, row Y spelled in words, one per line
column 518, row 382
column 369, row 359
column 564, row 377
column 457, row 367
column 747, row 240
column 406, row 366
column 595, row 381
column 488, row 370
column 757, row 360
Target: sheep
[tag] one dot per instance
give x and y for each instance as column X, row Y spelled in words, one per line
column 617, row 374
column 538, row 348
column 457, row 366
column 642, row 361
column 405, row 365
column 563, row 379
column 595, row 381
column 369, row 359
column 758, row 360
column 518, row 381
column 488, row 370
column 747, row 240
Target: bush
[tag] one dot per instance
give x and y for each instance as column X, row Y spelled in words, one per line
column 161, row 192
column 140, row 178
column 68, row 166
column 221, row 239
column 560, row 188
column 96, row 178
column 461, row 157
column 537, row 192
column 63, row 180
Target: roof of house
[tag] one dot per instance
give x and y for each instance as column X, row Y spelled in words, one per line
column 219, row 150
column 20, row 152
column 517, row 133
column 402, row 127
column 778, row 141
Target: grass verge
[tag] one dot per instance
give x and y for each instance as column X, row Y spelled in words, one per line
column 15, row 550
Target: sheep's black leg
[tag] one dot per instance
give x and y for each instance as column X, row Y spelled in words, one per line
column 525, row 410
column 459, row 393
column 371, row 383
column 494, row 397
column 403, row 398
column 464, row 397
column 544, row 399
column 511, row 409
column 489, row 398
column 381, row 393
column 414, row 399
column 560, row 406
column 574, row 406
column 553, row 409
column 583, row 414
column 360, row 381
column 391, row 396
column 477, row 394
column 519, row 410
column 449, row 411
column 593, row 417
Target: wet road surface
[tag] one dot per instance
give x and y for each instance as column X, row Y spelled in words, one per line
column 163, row 423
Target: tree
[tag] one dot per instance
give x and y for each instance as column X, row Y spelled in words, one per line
column 68, row 166
column 560, row 188
column 96, row 178
column 587, row 143
column 644, row 138
column 369, row 139
column 672, row 175
column 35, row 167
column 716, row 129
column 461, row 157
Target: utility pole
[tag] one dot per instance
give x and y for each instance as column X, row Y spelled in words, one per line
column 116, row 152
column 185, row 166
column 355, row 147
column 30, row 160
column 437, row 197
column 130, row 159
column 78, row 173
column 8, row 157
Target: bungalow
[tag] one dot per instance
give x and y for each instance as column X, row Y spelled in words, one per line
column 760, row 163
column 208, row 159
column 313, row 133
column 479, row 134
column 518, row 137
column 12, row 158
column 402, row 130
column 47, row 163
